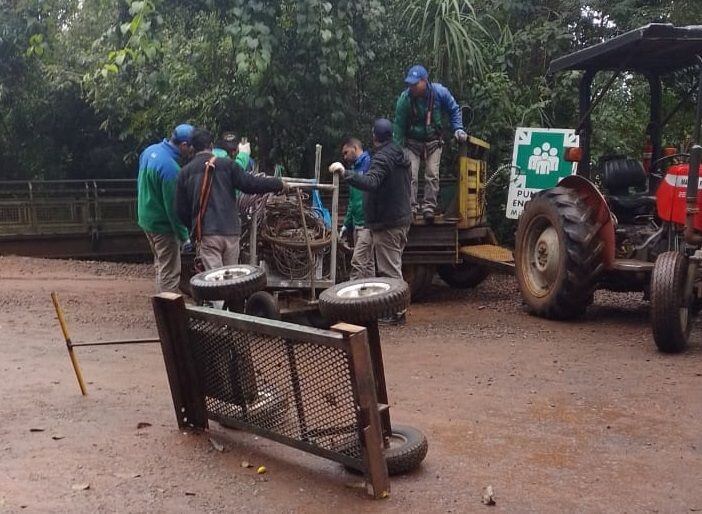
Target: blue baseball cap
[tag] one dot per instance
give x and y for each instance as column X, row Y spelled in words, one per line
column 183, row 133
column 415, row 74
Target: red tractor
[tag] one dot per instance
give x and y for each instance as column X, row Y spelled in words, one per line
column 630, row 235
column 676, row 285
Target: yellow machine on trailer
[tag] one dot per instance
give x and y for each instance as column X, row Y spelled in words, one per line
column 459, row 245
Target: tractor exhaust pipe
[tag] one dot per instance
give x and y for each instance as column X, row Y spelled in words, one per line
column 693, row 237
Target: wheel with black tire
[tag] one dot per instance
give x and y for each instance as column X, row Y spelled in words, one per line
column 671, row 304
column 465, row 275
column 408, row 448
column 263, row 305
column 229, row 283
column 558, row 254
column 419, row 278
column 364, row 300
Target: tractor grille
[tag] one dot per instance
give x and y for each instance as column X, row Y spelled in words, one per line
column 296, row 392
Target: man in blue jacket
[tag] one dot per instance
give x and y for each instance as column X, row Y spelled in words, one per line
column 362, row 261
column 159, row 165
column 419, row 120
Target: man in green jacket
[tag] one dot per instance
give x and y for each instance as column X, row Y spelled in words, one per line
column 363, row 261
column 420, row 117
column 159, row 165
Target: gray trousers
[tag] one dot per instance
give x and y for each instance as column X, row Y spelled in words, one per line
column 363, row 261
column 218, row 251
column 431, row 178
column 389, row 245
column 166, row 250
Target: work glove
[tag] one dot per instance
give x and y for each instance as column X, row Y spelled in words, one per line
column 342, row 232
column 461, row 136
column 245, row 148
column 337, row 167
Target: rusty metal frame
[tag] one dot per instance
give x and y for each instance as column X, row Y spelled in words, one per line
column 172, row 317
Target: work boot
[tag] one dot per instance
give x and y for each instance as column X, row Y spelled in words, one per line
column 428, row 217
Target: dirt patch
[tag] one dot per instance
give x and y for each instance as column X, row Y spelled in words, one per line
column 582, row 416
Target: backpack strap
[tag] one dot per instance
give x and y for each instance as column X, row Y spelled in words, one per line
column 205, row 189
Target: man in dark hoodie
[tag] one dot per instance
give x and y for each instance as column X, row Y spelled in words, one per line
column 388, row 201
column 206, row 199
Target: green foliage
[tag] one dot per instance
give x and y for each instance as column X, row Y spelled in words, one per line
column 86, row 84
column 450, row 36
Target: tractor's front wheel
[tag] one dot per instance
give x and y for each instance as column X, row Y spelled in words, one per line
column 671, row 303
column 558, row 254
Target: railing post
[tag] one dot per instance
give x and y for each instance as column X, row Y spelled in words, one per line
column 188, row 399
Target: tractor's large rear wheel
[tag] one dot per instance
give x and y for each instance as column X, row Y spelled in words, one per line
column 671, row 303
column 558, row 254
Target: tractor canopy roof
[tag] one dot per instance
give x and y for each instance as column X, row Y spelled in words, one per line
column 659, row 48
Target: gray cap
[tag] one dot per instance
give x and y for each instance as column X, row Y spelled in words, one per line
column 382, row 129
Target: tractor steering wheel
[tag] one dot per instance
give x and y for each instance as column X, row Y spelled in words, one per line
column 657, row 164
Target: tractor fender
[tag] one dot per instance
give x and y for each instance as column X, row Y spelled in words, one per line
column 593, row 198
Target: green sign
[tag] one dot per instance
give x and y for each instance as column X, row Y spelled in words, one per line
column 538, row 162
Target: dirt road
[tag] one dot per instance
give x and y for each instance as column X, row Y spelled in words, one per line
column 557, row 417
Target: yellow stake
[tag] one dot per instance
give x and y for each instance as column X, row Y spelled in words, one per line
column 69, row 345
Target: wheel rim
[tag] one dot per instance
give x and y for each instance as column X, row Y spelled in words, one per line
column 363, row 290
column 396, row 441
column 226, row 274
column 541, row 257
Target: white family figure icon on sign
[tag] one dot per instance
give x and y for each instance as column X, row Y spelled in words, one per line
column 544, row 159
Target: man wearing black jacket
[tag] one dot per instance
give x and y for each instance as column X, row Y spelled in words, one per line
column 388, row 199
column 206, row 199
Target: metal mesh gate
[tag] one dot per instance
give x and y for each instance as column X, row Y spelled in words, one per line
column 307, row 388
column 297, row 390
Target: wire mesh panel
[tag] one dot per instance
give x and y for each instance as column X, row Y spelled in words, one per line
column 297, row 390
column 310, row 389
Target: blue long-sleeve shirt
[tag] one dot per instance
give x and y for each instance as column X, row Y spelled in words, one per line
column 411, row 114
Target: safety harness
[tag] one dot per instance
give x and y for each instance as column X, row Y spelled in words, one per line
column 433, row 132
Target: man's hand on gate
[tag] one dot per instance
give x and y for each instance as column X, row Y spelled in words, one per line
column 461, row 136
column 337, row 167
column 342, row 232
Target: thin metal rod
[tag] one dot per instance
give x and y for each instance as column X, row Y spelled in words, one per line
column 317, row 162
column 309, row 186
column 677, row 107
column 126, row 341
column 299, row 180
column 253, row 240
column 69, row 344
column 334, row 233
column 698, row 113
column 307, row 242
column 600, row 96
